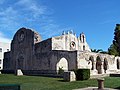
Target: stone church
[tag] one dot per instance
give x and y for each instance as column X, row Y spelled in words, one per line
column 34, row 56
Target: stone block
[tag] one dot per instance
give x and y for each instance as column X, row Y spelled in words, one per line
column 69, row 76
column 19, row 72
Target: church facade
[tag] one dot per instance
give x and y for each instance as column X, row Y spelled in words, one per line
column 32, row 55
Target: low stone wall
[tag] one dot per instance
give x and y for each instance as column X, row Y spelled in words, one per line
column 115, row 75
column 48, row 73
column 7, row 71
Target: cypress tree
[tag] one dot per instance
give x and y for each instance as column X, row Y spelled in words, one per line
column 114, row 49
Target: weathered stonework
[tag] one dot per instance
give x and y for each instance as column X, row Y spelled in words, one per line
column 33, row 56
column 19, row 72
column 69, row 76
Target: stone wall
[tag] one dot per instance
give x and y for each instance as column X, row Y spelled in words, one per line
column 43, row 46
column 22, row 49
column 70, row 42
column 98, row 63
column 66, row 52
column 49, row 60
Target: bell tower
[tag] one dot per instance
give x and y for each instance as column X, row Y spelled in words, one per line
column 82, row 38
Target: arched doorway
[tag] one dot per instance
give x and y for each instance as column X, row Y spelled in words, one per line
column 62, row 65
column 98, row 64
column 105, row 65
column 92, row 60
column 118, row 64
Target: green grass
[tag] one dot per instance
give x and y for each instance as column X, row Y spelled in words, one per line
column 46, row 83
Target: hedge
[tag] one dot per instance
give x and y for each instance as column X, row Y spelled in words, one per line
column 82, row 74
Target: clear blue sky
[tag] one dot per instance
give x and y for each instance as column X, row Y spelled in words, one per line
column 96, row 18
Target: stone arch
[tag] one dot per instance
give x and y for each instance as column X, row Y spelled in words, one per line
column 91, row 58
column 62, row 64
column 105, row 65
column 118, row 64
column 98, row 64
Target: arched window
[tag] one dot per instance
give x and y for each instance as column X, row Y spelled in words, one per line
column 92, row 60
column 0, row 49
column 83, row 38
column 83, row 47
column 98, row 64
column 118, row 64
column 0, row 61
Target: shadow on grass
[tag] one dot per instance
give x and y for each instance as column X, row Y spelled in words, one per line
column 62, row 81
column 117, row 87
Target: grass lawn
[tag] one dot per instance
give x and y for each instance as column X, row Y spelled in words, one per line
column 46, row 83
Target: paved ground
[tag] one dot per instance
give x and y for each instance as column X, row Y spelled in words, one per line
column 94, row 88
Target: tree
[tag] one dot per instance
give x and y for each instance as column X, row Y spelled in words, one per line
column 99, row 51
column 114, row 49
column 96, row 51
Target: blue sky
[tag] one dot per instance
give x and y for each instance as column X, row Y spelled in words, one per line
column 96, row 18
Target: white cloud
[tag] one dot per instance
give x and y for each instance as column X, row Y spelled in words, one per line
column 8, row 19
column 20, row 14
column 52, row 30
column 30, row 14
column 33, row 7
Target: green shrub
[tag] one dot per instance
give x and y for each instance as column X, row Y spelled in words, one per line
column 82, row 74
column 60, row 71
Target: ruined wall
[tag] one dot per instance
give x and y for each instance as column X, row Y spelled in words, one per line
column 49, row 60
column 22, row 49
column 82, row 62
column 65, row 42
column 43, row 46
column 106, row 63
column 58, row 43
column 30, row 54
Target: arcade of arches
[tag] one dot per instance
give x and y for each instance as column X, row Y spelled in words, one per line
column 97, row 63
column 100, row 63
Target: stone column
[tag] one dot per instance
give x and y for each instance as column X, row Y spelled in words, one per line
column 100, row 83
column 94, row 67
column 102, row 67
